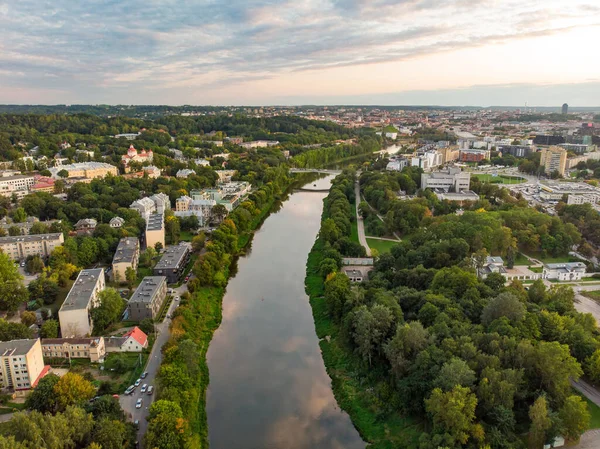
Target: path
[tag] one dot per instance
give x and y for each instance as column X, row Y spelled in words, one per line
column 382, row 238
column 359, row 221
column 589, row 440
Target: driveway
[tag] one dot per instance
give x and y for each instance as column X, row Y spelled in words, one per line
column 128, row 402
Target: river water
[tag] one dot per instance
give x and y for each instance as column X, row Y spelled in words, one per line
column 268, row 385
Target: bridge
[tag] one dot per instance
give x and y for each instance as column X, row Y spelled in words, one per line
column 315, row 170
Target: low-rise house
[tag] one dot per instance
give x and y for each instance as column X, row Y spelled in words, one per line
column 148, row 298
column 21, row 365
column 126, row 256
column 492, row 265
column 133, row 341
column 91, row 348
column 185, row 172
column 152, row 171
column 357, row 274
column 86, row 226
column 116, row 222
column 569, row 271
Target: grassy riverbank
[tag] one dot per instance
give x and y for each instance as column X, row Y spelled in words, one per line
column 354, row 390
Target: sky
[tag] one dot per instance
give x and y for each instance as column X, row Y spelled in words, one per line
column 264, row 52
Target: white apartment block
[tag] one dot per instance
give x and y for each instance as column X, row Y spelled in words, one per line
column 21, row 364
column 75, row 314
column 158, row 203
column 22, row 246
column 17, row 184
column 450, row 179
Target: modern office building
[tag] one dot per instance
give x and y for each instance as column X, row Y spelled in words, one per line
column 147, row 298
column 21, row 364
column 75, row 313
column 155, row 230
column 450, row 179
column 514, row 150
column 173, row 262
column 126, row 256
column 565, row 109
column 553, row 159
column 22, row 246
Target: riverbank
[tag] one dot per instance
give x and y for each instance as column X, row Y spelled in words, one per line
column 357, row 393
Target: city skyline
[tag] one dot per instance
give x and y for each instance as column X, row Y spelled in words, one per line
column 383, row 52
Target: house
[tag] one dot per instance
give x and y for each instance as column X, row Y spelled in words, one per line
column 133, row 341
column 152, row 171
column 133, row 156
column 570, row 271
column 492, row 265
column 91, row 348
column 21, row 365
column 185, row 172
column 357, row 274
column 86, row 226
column 116, row 222
column 144, row 206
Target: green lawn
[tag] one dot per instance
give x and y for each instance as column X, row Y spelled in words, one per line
column 354, row 232
column 521, row 259
column 550, row 259
column 594, row 294
column 500, row 179
column 537, row 269
column 383, row 246
column 186, row 236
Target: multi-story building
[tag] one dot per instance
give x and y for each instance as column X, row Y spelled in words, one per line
column 22, row 246
column 155, row 230
column 173, row 262
column 162, row 202
column 570, row 271
column 91, row 348
column 86, row 226
column 225, row 175
column 152, row 171
column 554, row 159
column 449, row 154
column 18, row 185
column 133, row 156
column 147, row 298
column 450, row 179
column 259, row 144
column 116, row 222
column 474, row 155
column 186, row 206
column 158, row 203
column 514, row 150
column 133, row 341
column 397, row 164
column 85, row 170
column 591, row 198
column 126, row 256
column 185, row 172
column 578, row 148
column 42, row 184
column 555, row 191
column 543, row 139
column 75, row 313
column 21, row 365
column 229, row 194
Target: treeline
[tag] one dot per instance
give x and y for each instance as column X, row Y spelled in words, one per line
column 476, row 362
column 323, row 156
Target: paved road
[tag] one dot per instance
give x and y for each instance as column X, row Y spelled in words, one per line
column 589, row 440
column 359, row 221
column 588, row 390
column 128, row 402
column 587, row 305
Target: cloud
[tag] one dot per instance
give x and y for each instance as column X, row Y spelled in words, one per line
column 101, row 46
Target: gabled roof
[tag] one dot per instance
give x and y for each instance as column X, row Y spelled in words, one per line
column 137, row 334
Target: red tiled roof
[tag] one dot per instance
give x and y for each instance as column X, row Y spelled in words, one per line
column 137, row 334
column 42, row 374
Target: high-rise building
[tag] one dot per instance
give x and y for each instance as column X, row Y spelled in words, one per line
column 565, row 109
column 554, row 159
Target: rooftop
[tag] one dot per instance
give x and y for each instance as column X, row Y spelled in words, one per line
column 71, row 341
column 30, row 238
column 127, row 249
column 155, row 222
column 81, row 292
column 16, row 347
column 172, row 257
column 147, row 289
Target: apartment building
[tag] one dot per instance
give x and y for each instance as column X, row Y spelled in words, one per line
column 155, row 230
column 126, row 256
column 86, row 170
column 474, row 155
column 514, row 150
column 22, row 246
column 450, row 179
column 553, row 159
column 75, row 313
column 91, row 348
column 173, row 262
column 158, row 203
column 148, row 298
column 201, row 208
column 16, row 184
column 21, row 364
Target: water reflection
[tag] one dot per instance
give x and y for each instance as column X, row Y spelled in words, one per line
column 268, row 386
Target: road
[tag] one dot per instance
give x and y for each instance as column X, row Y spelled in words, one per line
column 128, row 402
column 359, row 221
column 587, row 305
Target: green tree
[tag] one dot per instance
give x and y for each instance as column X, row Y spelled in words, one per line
column 43, row 397
column 540, row 423
column 371, row 326
column 575, row 418
column 504, row 305
column 28, row 318
column 14, row 231
column 218, row 212
column 410, row 339
column 198, row 242
column 110, row 309
column 337, row 291
column 49, row 329
column 34, row 264
column 453, row 373
column 63, row 173
column 12, row 291
column 72, row 389
column 110, row 434
column 167, row 428
column 130, row 276
column 158, row 247
column 555, row 367
column 172, row 230
column 13, row 331
column 19, row 215
column 147, row 326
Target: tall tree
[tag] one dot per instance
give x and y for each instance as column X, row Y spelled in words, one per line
column 575, row 418
column 540, row 423
column 12, row 290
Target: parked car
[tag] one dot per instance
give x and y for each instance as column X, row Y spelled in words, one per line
column 144, row 388
column 150, row 389
column 144, row 375
column 130, row 389
column 138, row 403
column 136, row 423
column 138, row 382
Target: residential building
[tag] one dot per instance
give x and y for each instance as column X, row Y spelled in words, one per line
column 225, row 175
column 91, row 348
column 155, row 230
column 133, row 341
column 152, row 171
column 6, row 223
column 128, row 136
column 148, row 298
column 458, row 197
column 259, row 144
column 116, row 222
column 573, row 161
column 496, row 265
column 86, row 226
column 570, row 271
column 449, row 154
column 553, row 159
column 42, row 184
column 514, row 150
column 75, row 313
column 202, row 163
column 85, row 170
column 22, row 246
column 16, row 185
column 173, row 262
column 449, row 179
column 144, row 206
column 578, row 148
column 185, row 172
column 235, row 140
column 229, row 194
column 492, row 265
column 21, row 365
column 133, row 156
column 161, row 202
column 474, row 155
column 547, row 140
column 186, row 206
column 396, row 164
column 591, row 198
column 126, row 256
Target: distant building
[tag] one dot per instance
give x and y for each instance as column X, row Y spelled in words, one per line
column 43, row 184
column 514, row 150
column 202, row 163
column 173, row 262
column 133, row 341
column 565, row 109
column 185, row 172
column 155, row 230
column 21, row 365
column 259, row 144
column 126, row 256
column 474, row 155
column 116, row 222
column 18, row 185
column 543, row 139
column 148, row 298
column 133, row 156
column 75, row 313
column 86, row 226
column 578, row 148
column 553, row 159
column 201, row 208
column 492, row 265
column 357, row 274
column 22, row 246
column 85, row 170
column 91, row 348
column 458, row 197
column 128, row 136
column 571, row 271
column 450, row 179
column 396, row 165
column 158, row 203
column 152, row 171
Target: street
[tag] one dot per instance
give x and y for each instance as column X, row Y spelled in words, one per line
column 128, row 402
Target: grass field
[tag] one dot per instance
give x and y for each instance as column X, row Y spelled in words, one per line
column 521, row 259
column 595, row 295
column 383, row 246
column 354, row 232
column 186, row 236
column 499, row 179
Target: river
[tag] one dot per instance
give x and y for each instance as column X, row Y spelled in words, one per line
column 268, row 385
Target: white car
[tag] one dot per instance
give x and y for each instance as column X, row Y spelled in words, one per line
column 144, row 388
column 139, row 402
column 138, row 382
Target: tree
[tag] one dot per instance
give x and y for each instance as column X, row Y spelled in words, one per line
column 167, row 428
column 49, row 329
column 453, row 415
column 453, row 373
column 110, row 434
column 504, row 305
column 146, row 258
column 19, row 215
column 495, row 281
column 110, row 309
column 14, row 231
column 537, row 292
column 147, row 326
column 540, row 423
column 371, row 326
column 12, row 291
column 106, row 406
column 198, row 242
column 28, row 318
column 218, row 212
column 72, row 389
column 13, row 331
column 158, row 247
column 63, row 173
column 43, row 397
column 575, row 418
column 172, row 230
column 555, row 367
column 34, row 264
column 337, row 291
column 130, row 276
column 410, row 339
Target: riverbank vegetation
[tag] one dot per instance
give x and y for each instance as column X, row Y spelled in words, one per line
column 425, row 354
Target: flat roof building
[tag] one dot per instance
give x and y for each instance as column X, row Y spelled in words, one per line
column 155, row 230
column 85, row 170
column 553, row 159
column 173, row 262
column 148, row 298
column 75, row 313
column 450, row 179
column 22, row 246
column 126, row 256
column 21, row 364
